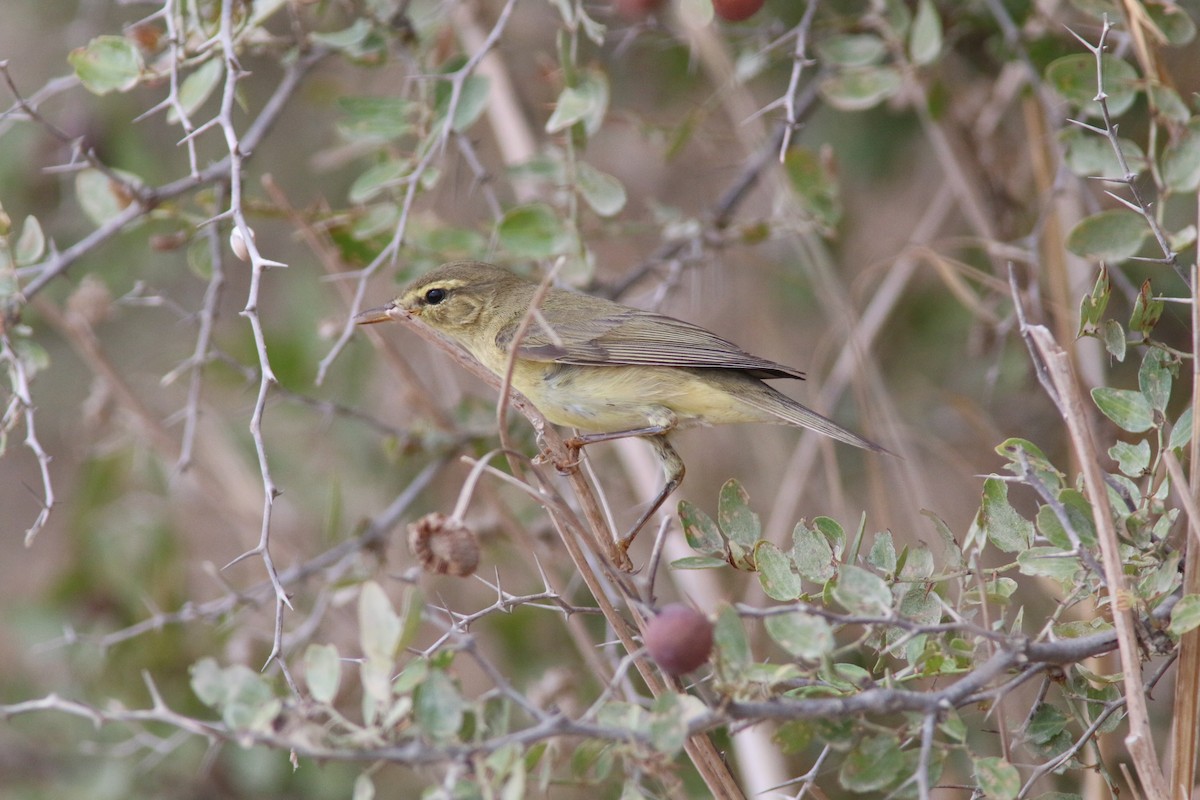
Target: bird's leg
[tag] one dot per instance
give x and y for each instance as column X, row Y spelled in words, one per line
column 674, row 469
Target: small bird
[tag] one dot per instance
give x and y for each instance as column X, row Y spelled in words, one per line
column 606, row 369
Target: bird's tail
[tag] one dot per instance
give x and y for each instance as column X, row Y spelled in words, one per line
column 785, row 409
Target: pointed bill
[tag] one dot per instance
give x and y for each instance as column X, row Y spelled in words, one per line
column 372, row 315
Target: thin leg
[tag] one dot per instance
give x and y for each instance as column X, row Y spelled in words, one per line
column 674, row 469
column 655, row 431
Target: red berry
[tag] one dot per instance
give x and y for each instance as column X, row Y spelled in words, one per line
column 679, row 639
column 736, row 10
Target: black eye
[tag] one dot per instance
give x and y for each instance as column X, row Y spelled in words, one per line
column 435, row 296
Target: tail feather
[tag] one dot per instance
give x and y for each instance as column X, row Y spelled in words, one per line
column 785, row 409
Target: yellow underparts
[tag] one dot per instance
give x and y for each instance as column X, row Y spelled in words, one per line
column 607, row 399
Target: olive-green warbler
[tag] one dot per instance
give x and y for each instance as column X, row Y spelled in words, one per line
column 601, row 367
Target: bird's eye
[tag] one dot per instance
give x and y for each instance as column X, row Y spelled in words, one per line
column 435, row 296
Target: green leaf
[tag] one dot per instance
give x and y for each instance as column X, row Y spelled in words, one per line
column 438, row 706
column 775, row 573
column 31, row 244
column 586, row 102
column 883, row 554
column 375, row 118
column 1174, row 23
column 1167, row 104
column 1130, row 410
column 348, row 40
column 1046, row 723
column 875, row 763
column 1091, row 310
column 1132, row 459
column 1090, row 156
column 377, row 179
column 701, row 532
column 1146, row 310
column 812, row 554
column 197, row 87
column 793, row 736
column 951, row 549
column 1048, row 562
column 1005, row 528
column 1111, row 236
column 832, row 530
column 378, row 625
column 813, row 179
column 1181, row 431
column 1155, row 376
column 671, row 714
column 851, row 50
column 1074, row 77
column 734, row 516
column 733, row 649
column 699, row 562
column 364, row 788
column 862, row 592
column 208, row 682
column 920, row 604
column 107, row 64
column 602, row 192
column 861, row 88
column 1181, row 160
column 1114, row 339
column 925, row 36
column 802, row 635
column 919, row 563
column 998, row 779
column 533, row 231
column 1185, row 616
column 322, row 671
column 249, row 703
column 472, row 101
column 101, row 197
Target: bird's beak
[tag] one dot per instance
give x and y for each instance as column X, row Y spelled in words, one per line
column 373, row 315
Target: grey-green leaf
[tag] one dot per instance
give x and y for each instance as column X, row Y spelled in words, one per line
column 322, row 671
column 1005, row 528
column 533, row 231
column 735, row 517
column 438, row 706
column 860, row 88
column 875, row 763
column 802, row 635
column 733, row 649
column 775, row 573
column 862, row 592
column 1186, row 615
column 197, row 87
column 812, row 554
column 1181, row 160
column 1074, row 77
column 1155, row 376
column 998, row 779
column 1111, row 236
column 1130, row 410
column 701, row 532
column 925, row 36
column 602, row 192
column 107, row 64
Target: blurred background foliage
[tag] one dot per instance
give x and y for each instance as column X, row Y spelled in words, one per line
column 640, row 146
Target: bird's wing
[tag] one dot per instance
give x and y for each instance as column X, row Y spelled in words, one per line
column 632, row 337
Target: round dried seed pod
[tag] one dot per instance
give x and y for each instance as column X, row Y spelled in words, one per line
column 679, row 639
column 443, row 545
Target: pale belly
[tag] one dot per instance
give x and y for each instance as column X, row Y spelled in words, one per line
column 609, row 399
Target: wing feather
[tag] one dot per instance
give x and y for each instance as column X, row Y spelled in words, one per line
column 631, row 337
